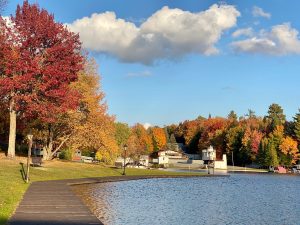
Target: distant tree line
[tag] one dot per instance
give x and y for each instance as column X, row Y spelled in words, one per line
column 268, row 141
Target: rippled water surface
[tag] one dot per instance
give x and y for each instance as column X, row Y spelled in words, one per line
column 238, row 199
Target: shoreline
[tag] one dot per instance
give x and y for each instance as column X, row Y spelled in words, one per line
column 54, row 201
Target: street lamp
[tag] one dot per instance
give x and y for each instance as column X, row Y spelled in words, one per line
column 125, row 149
column 29, row 137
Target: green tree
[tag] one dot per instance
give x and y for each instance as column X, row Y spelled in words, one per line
column 122, row 133
column 297, row 126
column 267, row 154
column 233, row 119
column 250, row 114
column 172, row 143
column 275, row 116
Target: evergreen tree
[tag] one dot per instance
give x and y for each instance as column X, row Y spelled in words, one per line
column 275, row 116
column 173, row 143
column 297, row 126
column 232, row 117
column 250, row 114
column 262, row 153
column 267, row 154
column 273, row 157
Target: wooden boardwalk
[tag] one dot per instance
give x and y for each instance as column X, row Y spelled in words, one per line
column 53, row 202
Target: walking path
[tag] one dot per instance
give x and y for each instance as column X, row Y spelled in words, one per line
column 53, row 202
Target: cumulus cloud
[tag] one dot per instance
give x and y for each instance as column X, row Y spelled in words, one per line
column 144, row 73
column 167, row 34
column 280, row 40
column 243, row 32
column 259, row 12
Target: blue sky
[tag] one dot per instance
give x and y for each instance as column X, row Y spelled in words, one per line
column 239, row 56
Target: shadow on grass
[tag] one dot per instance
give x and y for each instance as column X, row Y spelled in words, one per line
column 118, row 170
column 22, row 171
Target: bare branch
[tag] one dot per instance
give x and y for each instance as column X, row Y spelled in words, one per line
column 59, row 147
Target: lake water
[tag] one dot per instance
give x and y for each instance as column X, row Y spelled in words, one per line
column 238, row 199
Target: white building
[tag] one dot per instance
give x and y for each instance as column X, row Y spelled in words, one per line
column 160, row 158
column 144, row 160
column 210, row 155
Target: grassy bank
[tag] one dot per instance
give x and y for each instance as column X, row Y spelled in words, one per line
column 12, row 186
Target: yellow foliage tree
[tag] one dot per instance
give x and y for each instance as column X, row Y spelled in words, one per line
column 289, row 148
column 159, row 138
column 92, row 127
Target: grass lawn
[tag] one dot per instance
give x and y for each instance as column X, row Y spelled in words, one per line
column 12, row 186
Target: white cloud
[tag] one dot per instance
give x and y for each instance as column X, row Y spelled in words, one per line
column 147, row 125
column 144, row 73
column 167, row 34
column 243, row 32
column 259, row 12
column 280, row 40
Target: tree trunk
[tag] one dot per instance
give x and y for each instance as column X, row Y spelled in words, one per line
column 12, row 129
column 48, row 149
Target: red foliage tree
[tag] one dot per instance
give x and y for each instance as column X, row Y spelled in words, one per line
column 39, row 58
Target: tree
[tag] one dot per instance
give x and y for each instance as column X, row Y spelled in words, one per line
column 159, row 138
column 233, row 119
column 250, row 114
column 267, row 154
column 144, row 143
column 297, row 126
column 42, row 58
column 92, row 129
column 172, row 145
column 251, row 141
column 122, row 133
column 275, row 116
column 214, row 133
column 289, row 148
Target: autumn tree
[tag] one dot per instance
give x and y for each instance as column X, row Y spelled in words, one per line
column 42, row 58
column 159, row 138
column 289, row 149
column 214, row 133
column 144, row 143
column 93, row 129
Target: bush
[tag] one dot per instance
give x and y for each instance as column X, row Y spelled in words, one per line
column 156, row 166
column 66, row 154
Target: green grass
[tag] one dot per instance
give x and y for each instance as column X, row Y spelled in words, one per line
column 12, row 186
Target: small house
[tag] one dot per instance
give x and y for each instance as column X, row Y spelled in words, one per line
column 144, row 160
column 209, row 155
column 159, row 157
column 77, row 155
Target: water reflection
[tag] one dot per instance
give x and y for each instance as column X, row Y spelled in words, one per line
column 238, row 199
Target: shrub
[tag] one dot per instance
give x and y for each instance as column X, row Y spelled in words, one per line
column 65, row 154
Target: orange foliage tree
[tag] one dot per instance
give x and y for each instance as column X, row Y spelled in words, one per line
column 159, row 138
column 289, row 148
column 140, row 142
